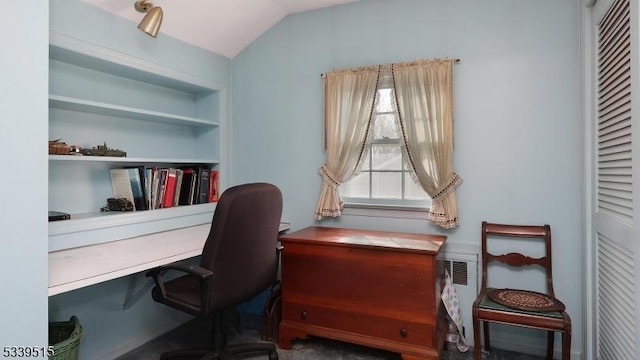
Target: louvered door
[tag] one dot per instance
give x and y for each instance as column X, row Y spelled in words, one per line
column 615, row 196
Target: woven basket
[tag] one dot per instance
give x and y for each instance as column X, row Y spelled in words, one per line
column 65, row 338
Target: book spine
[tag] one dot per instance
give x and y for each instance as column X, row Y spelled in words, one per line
column 214, row 185
column 137, row 188
column 203, row 187
column 176, row 195
column 170, row 189
column 186, row 188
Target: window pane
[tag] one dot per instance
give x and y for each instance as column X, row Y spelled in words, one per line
column 366, row 164
column 413, row 191
column 386, row 185
column 385, row 127
column 384, row 101
column 358, row 187
column 387, row 157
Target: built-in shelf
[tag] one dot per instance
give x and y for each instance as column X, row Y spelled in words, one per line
column 160, row 116
column 94, row 107
column 124, row 161
column 100, row 220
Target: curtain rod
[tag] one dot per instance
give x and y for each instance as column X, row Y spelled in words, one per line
column 456, row 61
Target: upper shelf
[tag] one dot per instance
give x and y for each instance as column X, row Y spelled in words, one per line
column 130, row 160
column 68, row 103
column 91, row 56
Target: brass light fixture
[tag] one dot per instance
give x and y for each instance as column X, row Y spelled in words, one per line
column 151, row 22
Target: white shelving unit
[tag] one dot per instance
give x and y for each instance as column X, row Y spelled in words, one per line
column 160, row 116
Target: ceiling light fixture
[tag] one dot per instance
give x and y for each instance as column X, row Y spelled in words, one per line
column 151, row 22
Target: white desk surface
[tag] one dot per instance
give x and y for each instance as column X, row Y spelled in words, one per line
column 83, row 266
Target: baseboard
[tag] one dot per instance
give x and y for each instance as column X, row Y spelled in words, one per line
column 523, row 346
column 138, row 341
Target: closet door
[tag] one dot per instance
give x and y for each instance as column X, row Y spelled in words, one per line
column 615, row 178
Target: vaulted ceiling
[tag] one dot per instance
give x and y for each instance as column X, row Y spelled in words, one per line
column 225, row 27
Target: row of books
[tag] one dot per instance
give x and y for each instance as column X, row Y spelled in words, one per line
column 156, row 188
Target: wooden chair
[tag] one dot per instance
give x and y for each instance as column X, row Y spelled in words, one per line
column 532, row 315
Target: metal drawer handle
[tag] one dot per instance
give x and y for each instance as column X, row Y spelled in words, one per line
column 403, row 333
column 303, row 315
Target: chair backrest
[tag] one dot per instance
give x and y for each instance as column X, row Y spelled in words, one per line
column 517, row 258
column 241, row 247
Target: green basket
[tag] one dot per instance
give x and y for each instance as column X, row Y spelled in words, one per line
column 65, row 337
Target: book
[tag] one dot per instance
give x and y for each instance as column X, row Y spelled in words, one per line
column 162, row 186
column 142, row 171
column 155, row 186
column 176, row 195
column 185, row 195
column 214, row 185
column 203, row 185
column 148, row 182
column 169, row 189
column 137, row 188
column 121, row 184
column 58, row 215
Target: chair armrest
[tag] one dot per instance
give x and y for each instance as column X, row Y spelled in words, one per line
column 191, row 269
column 203, row 274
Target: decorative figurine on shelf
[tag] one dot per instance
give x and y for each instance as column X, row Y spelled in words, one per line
column 58, row 147
column 103, row 150
column 121, row 204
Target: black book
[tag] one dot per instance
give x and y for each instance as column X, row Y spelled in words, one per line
column 57, row 215
column 137, row 189
column 203, row 185
column 141, row 199
column 185, row 188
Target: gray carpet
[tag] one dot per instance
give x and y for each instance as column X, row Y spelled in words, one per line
column 196, row 334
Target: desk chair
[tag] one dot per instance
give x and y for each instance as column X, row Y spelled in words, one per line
column 519, row 307
column 239, row 261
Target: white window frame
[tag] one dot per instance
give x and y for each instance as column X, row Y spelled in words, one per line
column 389, row 207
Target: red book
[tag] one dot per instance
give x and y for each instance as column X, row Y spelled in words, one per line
column 214, row 186
column 170, row 189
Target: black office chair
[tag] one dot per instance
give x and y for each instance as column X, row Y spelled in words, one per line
column 239, row 261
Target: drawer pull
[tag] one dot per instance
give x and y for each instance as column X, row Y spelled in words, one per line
column 403, row 333
column 303, row 315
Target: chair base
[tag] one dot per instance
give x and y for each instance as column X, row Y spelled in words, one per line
column 227, row 353
column 186, row 354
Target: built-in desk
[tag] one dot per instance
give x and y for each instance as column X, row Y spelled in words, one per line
column 75, row 268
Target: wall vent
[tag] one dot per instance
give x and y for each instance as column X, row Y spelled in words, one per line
column 458, row 271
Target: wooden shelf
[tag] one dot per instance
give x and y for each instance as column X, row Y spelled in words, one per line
column 131, row 160
column 94, row 107
column 100, row 220
column 91, row 56
column 164, row 117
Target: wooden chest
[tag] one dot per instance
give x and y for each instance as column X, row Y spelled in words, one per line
column 374, row 288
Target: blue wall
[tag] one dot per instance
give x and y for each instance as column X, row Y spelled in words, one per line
column 23, row 149
column 108, row 328
column 518, row 133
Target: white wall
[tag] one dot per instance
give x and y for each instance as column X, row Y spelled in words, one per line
column 517, row 124
column 23, row 189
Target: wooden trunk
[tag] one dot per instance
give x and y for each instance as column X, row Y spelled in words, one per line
column 373, row 288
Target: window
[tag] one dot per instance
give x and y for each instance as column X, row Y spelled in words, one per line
column 384, row 179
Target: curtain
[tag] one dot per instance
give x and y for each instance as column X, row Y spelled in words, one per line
column 349, row 99
column 424, row 96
